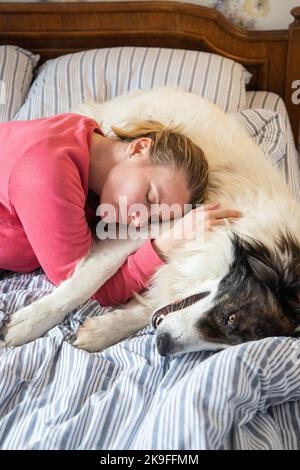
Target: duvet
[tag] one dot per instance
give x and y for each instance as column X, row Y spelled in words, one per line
column 54, row 396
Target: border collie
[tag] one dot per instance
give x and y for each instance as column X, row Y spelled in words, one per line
column 241, row 283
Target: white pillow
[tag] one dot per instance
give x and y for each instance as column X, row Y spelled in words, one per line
column 16, row 73
column 102, row 74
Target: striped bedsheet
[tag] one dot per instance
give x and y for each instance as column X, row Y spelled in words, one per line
column 53, row 396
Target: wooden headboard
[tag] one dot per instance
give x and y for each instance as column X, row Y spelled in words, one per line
column 52, row 29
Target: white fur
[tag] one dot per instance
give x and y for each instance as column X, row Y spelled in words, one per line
column 34, row 320
column 240, row 177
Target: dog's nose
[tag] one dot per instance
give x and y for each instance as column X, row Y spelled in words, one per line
column 162, row 343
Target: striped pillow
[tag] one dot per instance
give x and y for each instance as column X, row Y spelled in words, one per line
column 290, row 163
column 102, row 74
column 16, row 73
column 268, row 130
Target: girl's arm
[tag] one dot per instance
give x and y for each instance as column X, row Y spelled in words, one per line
column 49, row 201
column 134, row 276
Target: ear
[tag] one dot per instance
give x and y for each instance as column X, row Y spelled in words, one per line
column 291, row 294
column 140, row 147
column 263, row 272
column 290, row 299
column 296, row 294
column 259, row 260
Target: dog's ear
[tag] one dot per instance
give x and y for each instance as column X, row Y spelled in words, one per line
column 290, row 300
column 291, row 295
column 295, row 294
column 263, row 272
column 258, row 259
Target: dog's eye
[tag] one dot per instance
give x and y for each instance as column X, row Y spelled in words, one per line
column 231, row 319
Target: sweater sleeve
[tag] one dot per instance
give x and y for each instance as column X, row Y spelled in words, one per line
column 49, row 201
column 134, row 276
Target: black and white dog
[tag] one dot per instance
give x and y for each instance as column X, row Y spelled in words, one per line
column 241, row 283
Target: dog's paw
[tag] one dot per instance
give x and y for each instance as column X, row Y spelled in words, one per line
column 24, row 326
column 97, row 333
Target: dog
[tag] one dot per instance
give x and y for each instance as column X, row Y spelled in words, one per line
column 241, row 283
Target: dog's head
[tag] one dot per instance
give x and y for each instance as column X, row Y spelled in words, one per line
column 258, row 297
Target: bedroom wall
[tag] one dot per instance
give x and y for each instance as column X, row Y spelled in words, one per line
column 255, row 14
column 251, row 14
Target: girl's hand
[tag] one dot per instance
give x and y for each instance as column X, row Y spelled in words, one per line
column 194, row 223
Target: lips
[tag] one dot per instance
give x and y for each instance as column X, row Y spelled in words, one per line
column 161, row 313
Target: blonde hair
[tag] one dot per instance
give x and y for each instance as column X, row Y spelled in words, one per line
column 171, row 147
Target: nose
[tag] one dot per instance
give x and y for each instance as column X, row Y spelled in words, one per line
column 163, row 343
column 136, row 219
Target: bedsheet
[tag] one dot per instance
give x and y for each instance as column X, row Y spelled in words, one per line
column 53, row 396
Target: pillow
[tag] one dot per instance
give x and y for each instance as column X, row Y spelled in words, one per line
column 102, row 74
column 268, row 130
column 16, row 73
column 270, row 101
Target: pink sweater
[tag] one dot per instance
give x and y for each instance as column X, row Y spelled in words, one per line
column 44, row 208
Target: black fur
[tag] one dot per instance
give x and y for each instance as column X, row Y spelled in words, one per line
column 262, row 290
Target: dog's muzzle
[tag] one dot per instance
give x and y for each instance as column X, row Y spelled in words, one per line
column 161, row 313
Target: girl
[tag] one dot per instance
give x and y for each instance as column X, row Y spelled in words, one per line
column 54, row 173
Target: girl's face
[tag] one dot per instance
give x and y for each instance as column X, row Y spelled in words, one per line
column 135, row 183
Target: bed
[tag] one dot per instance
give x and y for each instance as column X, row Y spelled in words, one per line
column 53, row 396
